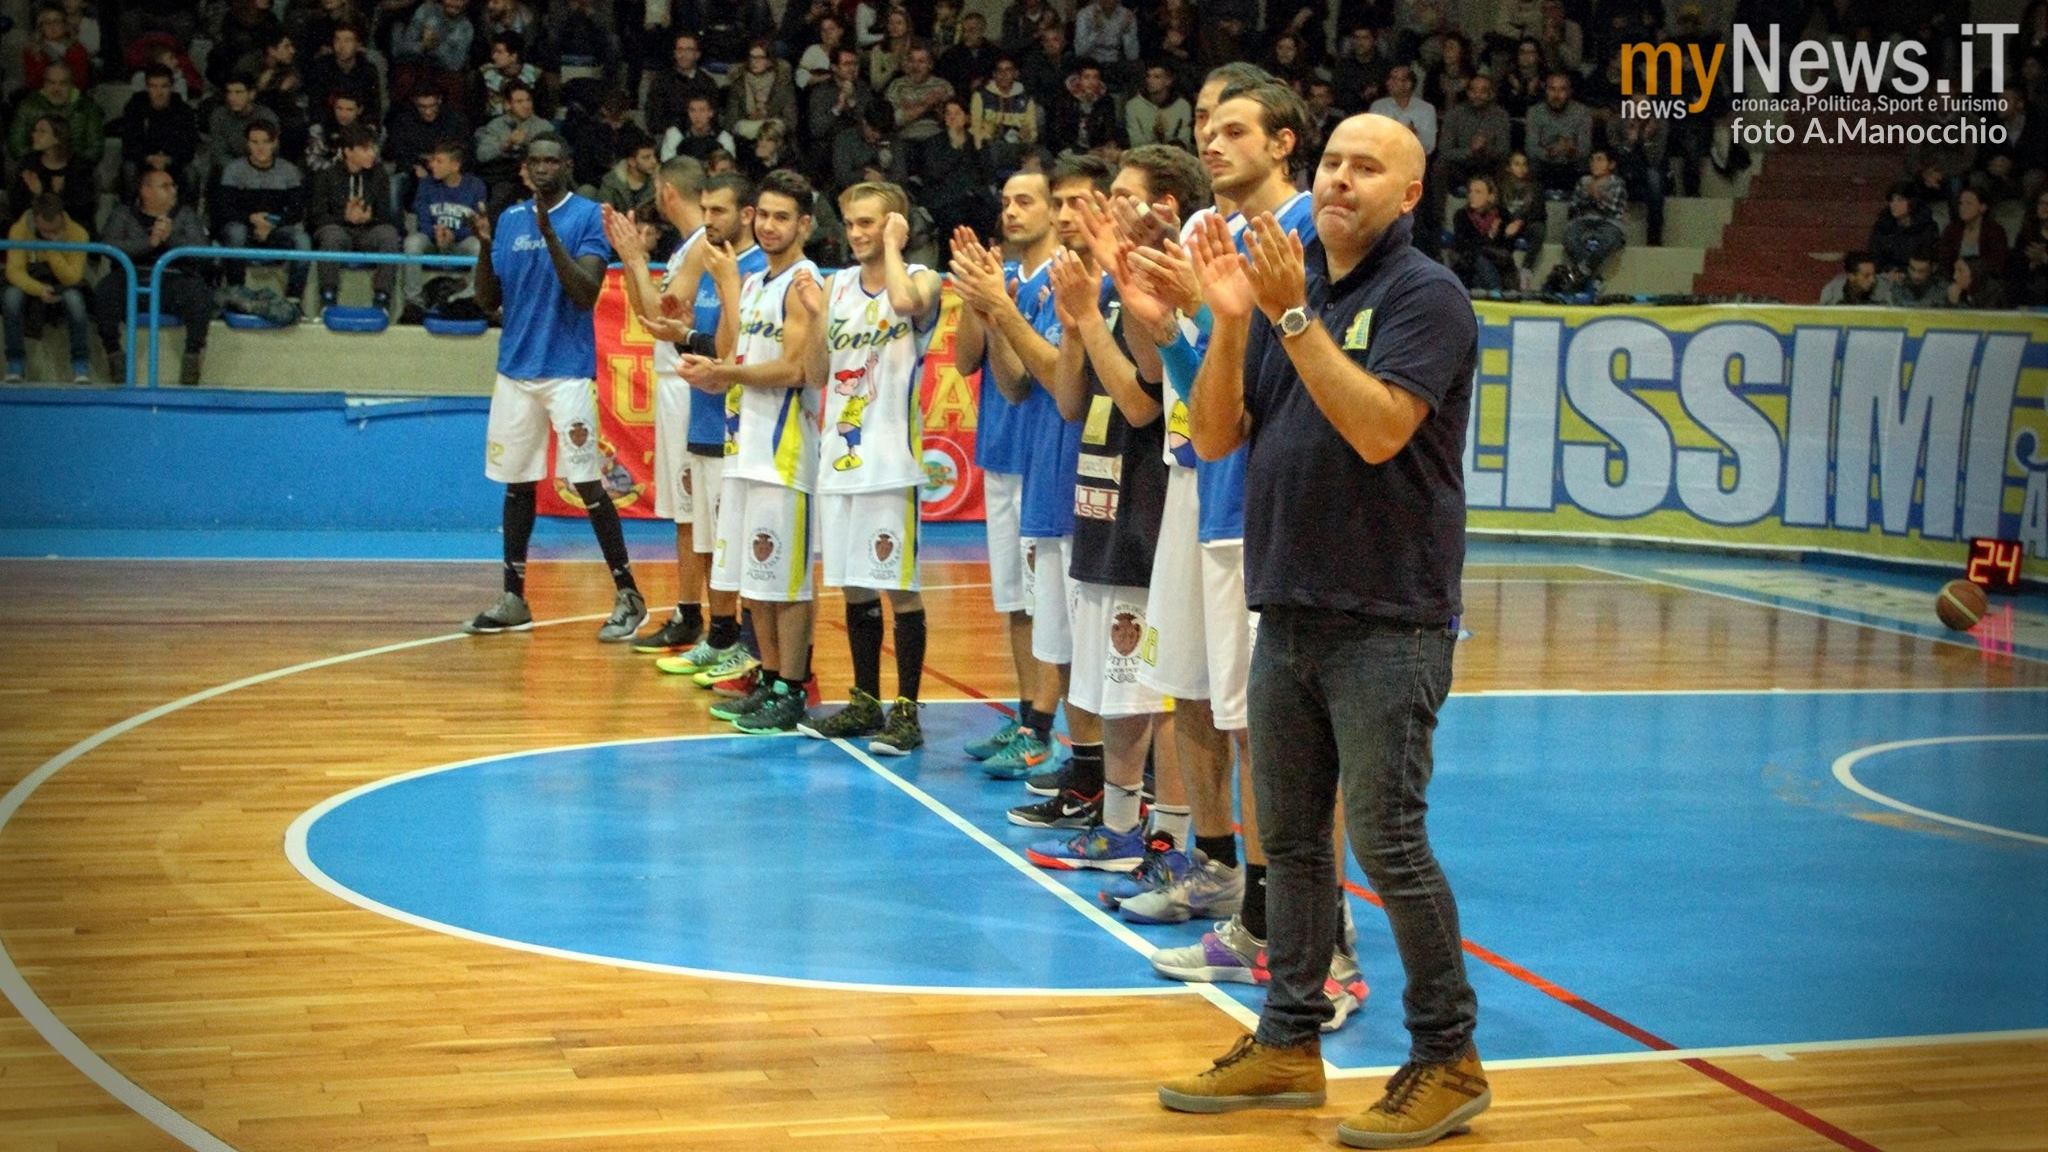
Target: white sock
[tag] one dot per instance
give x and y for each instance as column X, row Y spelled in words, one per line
column 1119, row 807
column 1172, row 822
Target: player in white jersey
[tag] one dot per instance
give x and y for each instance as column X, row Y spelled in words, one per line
column 879, row 316
column 765, row 518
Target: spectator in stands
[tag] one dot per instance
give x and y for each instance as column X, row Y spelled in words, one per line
column 2026, row 143
column 887, row 58
column 508, row 66
column 815, row 67
column 835, row 107
column 1521, row 83
column 417, row 131
column 668, row 95
column 1592, row 234
column 145, row 228
column 1085, row 118
column 501, row 16
column 1971, row 286
column 1515, row 21
column 1919, row 287
column 279, row 86
column 323, row 142
column 157, row 48
column 1106, row 32
column 432, row 51
column 699, row 135
column 758, row 92
column 247, row 27
column 58, row 97
column 85, row 25
column 1158, row 114
column 1903, row 227
column 1022, row 21
column 313, row 25
column 52, row 169
column 47, row 280
column 1048, row 65
column 1858, row 283
column 1360, row 72
column 1973, row 235
column 345, row 69
column 501, row 145
column 872, row 147
column 600, row 141
column 1004, row 119
column 1560, row 135
column 917, row 96
column 969, row 63
column 945, row 27
column 1483, row 240
column 261, row 202
column 1641, row 146
column 1564, row 41
column 629, row 185
column 350, row 211
column 54, row 44
column 767, row 152
column 2027, row 268
column 584, row 47
column 157, row 129
column 1179, row 36
column 956, row 188
column 1476, row 136
column 445, row 209
column 227, row 128
column 1448, row 82
column 1323, row 118
column 1521, row 197
column 1401, row 103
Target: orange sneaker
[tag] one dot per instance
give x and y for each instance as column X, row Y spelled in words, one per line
column 1252, row 1075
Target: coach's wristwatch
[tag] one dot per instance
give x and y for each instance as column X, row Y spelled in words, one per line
column 1293, row 322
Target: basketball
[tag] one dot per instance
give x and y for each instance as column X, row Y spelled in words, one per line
column 1960, row 605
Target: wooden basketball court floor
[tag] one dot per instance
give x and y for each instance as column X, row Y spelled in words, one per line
column 173, row 979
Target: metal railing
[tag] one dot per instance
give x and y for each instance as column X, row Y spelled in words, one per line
column 120, row 258
column 267, row 256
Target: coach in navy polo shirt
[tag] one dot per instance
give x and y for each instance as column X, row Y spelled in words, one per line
column 1348, row 368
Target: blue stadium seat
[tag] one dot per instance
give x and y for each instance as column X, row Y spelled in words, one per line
column 340, row 319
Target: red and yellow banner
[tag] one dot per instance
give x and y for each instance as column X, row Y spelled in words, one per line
column 625, row 402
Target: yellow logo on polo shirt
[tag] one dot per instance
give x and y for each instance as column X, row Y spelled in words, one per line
column 1359, row 334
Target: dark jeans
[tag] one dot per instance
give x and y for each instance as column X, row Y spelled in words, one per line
column 357, row 238
column 186, row 297
column 1590, row 241
column 71, row 300
column 1338, row 700
column 284, row 237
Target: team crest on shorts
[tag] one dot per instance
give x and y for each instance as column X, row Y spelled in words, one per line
column 765, row 547
column 579, row 434
column 1125, row 630
column 685, row 480
column 883, row 546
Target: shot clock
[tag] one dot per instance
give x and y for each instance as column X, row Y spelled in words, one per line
column 1994, row 564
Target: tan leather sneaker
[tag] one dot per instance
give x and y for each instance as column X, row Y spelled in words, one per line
column 1252, row 1075
column 1423, row 1104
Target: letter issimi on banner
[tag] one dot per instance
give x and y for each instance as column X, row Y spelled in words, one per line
column 625, row 401
column 1890, row 434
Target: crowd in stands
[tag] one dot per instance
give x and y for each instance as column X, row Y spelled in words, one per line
column 385, row 125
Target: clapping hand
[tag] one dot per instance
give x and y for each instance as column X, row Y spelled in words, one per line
column 622, row 231
column 1076, row 295
column 1278, row 279
column 1220, row 268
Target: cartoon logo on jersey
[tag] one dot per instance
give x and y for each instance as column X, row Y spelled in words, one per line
column 1179, row 431
column 883, row 547
column 852, row 383
column 1125, row 630
column 765, row 547
column 732, row 419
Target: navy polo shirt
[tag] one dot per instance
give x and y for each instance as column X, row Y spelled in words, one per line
column 1323, row 528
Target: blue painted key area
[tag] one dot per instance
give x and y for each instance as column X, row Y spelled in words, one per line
column 1685, row 862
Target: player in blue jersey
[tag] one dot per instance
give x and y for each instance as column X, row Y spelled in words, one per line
column 1024, row 744
column 544, row 263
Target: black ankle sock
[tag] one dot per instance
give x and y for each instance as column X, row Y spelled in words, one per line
column 910, row 654
column 692, row 616
column 725, row 631
column 611, row 536
column 1086, row 770
column 767, row 676
column 864, row 639
column 1254, row 913
column 521, row 507
column 1221, row 849
column 1031, row 719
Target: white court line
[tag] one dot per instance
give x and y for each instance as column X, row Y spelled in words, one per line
column 1799, row 611
column 1845, row 773
column 1762, row 1051
column 297, row 852
column 1103, row 920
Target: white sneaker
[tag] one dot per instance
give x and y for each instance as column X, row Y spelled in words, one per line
column 1345, row 988
column 1208, row 890
column 1227, row 954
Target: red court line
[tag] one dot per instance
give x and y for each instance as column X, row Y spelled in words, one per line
column 1649, row 1039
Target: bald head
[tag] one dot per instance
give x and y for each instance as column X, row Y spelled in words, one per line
column 1370, row 175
